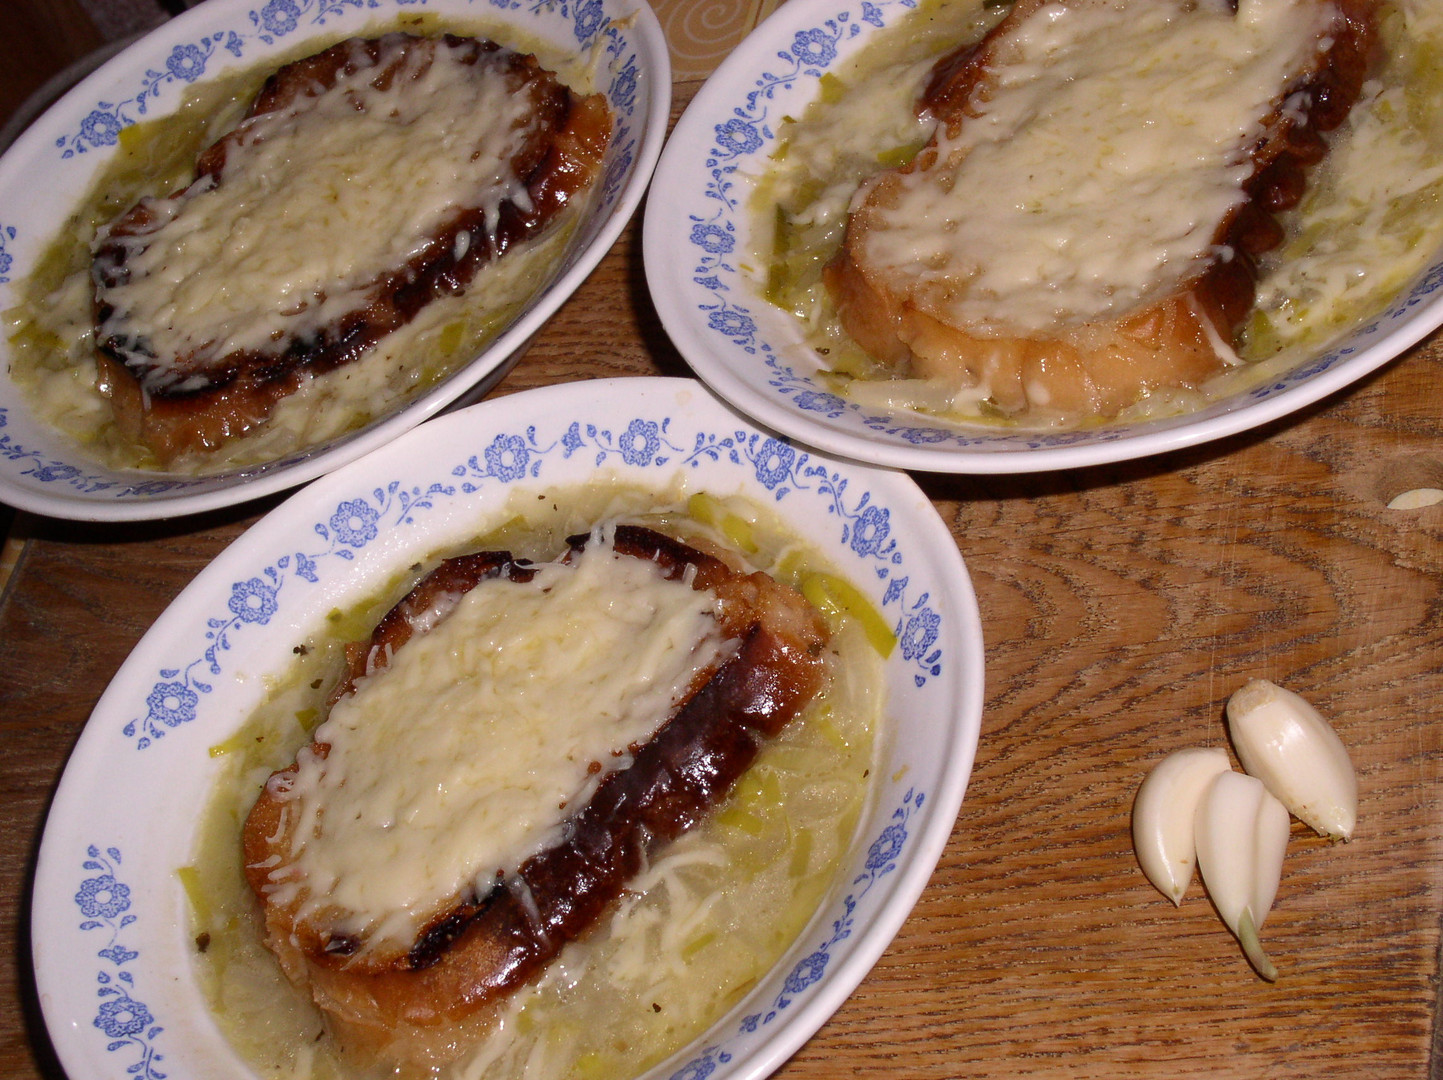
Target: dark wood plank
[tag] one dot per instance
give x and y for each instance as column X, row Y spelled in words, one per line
column 1122, row 604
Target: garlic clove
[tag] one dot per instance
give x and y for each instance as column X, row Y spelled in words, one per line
column 1242, row 835
column 1163, row 812
column 1286, row 743
column 1416, row 499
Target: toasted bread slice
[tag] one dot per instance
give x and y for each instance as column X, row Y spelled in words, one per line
column 365, row 182
column 403, row 997
column 1082, row 229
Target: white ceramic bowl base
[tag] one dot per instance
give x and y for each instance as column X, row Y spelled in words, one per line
column 48, row 170
column 697, row 240
column 111, row 941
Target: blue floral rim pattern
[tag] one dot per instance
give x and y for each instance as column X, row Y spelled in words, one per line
column 121, row 1016
column 591, row 28
column 269, row 24
column 741, row 146
column 512, row 457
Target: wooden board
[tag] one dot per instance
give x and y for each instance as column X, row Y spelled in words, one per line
column 1122, row 604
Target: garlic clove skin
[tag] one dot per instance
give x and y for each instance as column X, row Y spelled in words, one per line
column 1285, row 742
column 1163, row 813
column 1242, row 835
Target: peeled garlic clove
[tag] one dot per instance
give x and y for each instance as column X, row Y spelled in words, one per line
column 1163, row 813
column 1242, row 834
column 1286, row 743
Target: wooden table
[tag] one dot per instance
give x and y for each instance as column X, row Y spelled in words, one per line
column 1122, row 605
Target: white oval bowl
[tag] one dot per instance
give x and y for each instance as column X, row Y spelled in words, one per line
column 110, row 938
column 755, row 355
column 50, row 167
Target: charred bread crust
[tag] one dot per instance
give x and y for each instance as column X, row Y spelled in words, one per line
column 1171, row 342
column 481, row 947
column 182, row 404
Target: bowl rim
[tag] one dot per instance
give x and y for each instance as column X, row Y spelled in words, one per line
column 741, row 91
column 953, row 699
column 136, row 495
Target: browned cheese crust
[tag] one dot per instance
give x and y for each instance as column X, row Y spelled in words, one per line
column 183, row 404
column 477, row 949
column 1106, row 365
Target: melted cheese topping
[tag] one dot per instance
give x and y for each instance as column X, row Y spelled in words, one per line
column 318, row 200
column 1111, row 140
column 1369, row 219
column 464, row 756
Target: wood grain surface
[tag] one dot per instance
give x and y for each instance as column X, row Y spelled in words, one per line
column 1121, row 605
